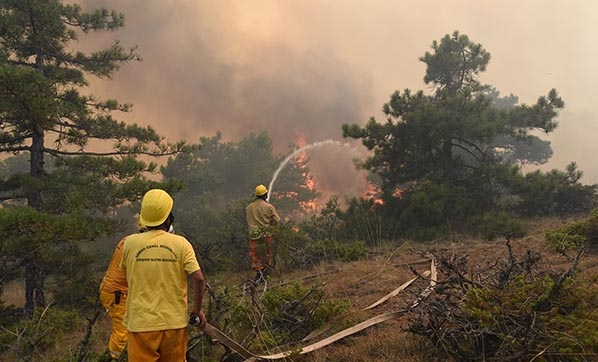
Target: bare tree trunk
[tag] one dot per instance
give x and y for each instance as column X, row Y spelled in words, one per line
column 85, row 342
column 34, row 285
column 36, row 167
column 34, row 281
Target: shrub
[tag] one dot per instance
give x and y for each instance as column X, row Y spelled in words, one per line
column 329, row 250
column 26, row 339
column 555, row 192
column 575, row 236
column 510, row 310
column 500, row 224
column 281, row 315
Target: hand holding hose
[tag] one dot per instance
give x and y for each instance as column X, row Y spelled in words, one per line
column 198, row 320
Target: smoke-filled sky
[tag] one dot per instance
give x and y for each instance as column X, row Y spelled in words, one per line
column 302, row 68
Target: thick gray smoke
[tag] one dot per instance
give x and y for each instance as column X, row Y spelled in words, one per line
column 300, row 69
column 209, row 68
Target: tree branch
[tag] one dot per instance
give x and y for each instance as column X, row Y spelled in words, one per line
column 57, row 153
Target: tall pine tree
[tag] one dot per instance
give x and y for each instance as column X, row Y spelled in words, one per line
column 45, row 114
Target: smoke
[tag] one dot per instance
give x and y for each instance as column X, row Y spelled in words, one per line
column 300, row 69
column 231, row 67
column 208, row 67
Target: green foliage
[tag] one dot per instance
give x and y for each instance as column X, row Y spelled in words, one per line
column 25, row 230
column 326, row 224
column 42, row 77
column 564, row 323
column 575, row 236
column 55, row 241
column 295, row 251
column 9, row 315
column 510, row 309
column 445, row 68
column 219, row 179
column 290, row 248
column 231, row 171
column 515, row 148
column 40, row 98
column 501, row 224
column 295, row 311
column 432, row 208
column 555, row 192
column 13, row 165
column 365, row 220
column 282, row 315
column 219, row 238
column 315, row 240
column 452, row 155
column 28, row 340
column 329, row 250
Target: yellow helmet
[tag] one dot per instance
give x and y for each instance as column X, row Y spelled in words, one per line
column 261, row 190
column 155, row 207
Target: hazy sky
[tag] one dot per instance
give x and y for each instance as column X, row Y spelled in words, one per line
column 302, row 68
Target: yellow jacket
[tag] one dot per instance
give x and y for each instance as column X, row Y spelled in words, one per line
column 260, row 215
column 157, row 264
column 115, row 277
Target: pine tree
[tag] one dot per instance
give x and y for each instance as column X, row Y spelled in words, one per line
column 45, row 114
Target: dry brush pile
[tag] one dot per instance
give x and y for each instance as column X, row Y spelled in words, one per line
column 510, row 307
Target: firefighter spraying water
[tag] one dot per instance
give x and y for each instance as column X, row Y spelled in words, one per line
column 261, row 216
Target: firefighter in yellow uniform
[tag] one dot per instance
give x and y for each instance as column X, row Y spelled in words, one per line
column 113, row 296
column 261, row 215
column 157, row 264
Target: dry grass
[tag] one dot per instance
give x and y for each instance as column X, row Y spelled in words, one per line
column 13, row 293
column 365, row 281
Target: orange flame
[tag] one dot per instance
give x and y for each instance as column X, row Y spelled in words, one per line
column 369, row 191
column 373, row 193
column 301, row 158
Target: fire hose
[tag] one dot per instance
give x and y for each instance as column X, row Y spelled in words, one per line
column 221, row 337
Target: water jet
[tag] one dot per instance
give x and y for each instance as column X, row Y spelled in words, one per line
column 295, row 153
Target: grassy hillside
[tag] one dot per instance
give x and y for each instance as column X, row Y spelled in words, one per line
column 364, row 282
column 352, row 285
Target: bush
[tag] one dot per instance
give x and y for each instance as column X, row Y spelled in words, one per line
column 500, row 224
column 366, row 220
column 26, row 340
column 575, row 236
column 281, row 315
column 510, row 310
column 555, row 192
column 329, row 250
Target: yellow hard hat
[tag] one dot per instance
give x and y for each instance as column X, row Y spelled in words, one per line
column 155, row 207
column 261, row 190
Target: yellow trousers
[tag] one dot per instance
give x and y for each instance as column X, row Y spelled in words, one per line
column 169, row 345
column 116, row 312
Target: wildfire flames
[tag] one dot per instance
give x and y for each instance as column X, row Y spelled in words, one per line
column 373, row 193
column 301, row 159
column 325, row 185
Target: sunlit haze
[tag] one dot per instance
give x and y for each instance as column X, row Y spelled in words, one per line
column 300, row 69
